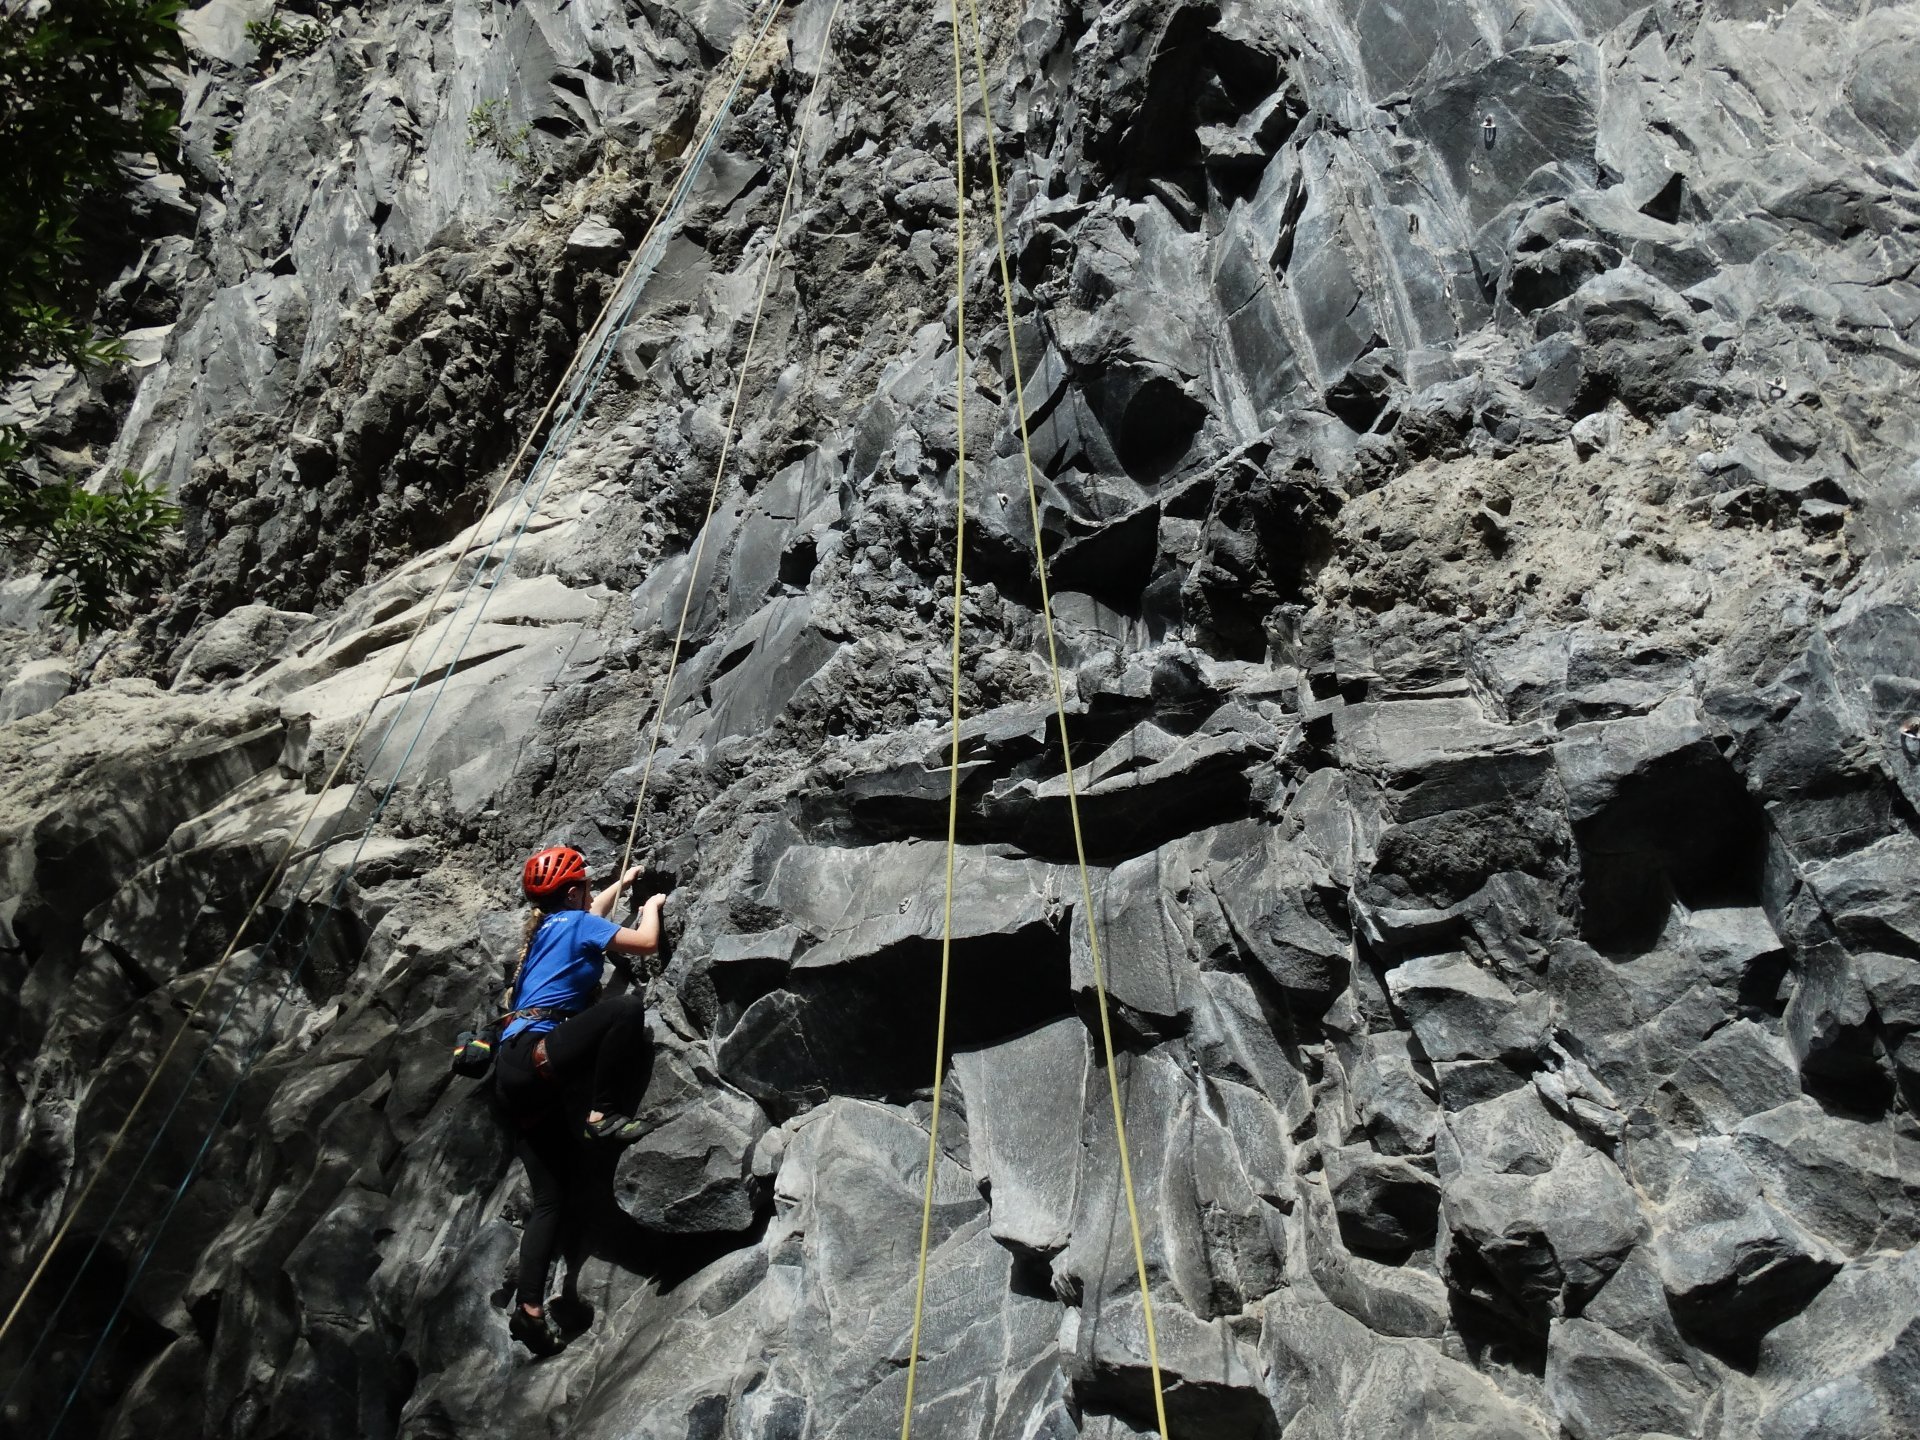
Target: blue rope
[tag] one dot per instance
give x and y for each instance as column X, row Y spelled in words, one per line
column 286, row 993
column 574, row 415
column 261, row 955
column 265, row 950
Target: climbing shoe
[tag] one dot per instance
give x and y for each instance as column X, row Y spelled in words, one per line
column 537, row 1332
column 570, row 1314
column 615, row 1129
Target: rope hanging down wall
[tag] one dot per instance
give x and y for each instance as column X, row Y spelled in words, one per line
column 1060, row 712
column 953, row 757
column 726, row 440
column 1066, row 743
column 584, row 373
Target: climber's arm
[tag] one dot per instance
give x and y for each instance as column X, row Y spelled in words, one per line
column 604, row 902
column 642, row 937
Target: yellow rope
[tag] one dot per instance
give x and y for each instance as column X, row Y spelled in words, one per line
column 293, row 840
column 726, row 443
column 1060, row 709
column 953, row 764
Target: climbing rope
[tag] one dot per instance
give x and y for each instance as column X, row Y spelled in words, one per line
column 1060, row 710
column 265, row 1035
column 1066, row 746
column 557, row 444
column 599, row 345
column 726, row 442
column 953, row 755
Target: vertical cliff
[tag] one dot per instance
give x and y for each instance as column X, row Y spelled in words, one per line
column 1478, row 478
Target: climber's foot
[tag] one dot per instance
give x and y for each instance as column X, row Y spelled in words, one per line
column 615, row 1129
column 570, row 1314
column 537, row 1332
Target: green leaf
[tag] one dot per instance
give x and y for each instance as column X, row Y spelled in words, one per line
column 102, row 550
column 75, row 98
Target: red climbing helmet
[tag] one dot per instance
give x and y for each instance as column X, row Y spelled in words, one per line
column 551, row 871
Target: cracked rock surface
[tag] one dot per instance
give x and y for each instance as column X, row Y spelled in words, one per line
column 1478, row 473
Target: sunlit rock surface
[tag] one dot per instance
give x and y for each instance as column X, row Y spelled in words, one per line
column 1479, row 471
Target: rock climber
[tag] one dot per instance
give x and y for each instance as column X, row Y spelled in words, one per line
column 558, row 1032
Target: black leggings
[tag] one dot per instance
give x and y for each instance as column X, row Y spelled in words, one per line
column 606, row 1042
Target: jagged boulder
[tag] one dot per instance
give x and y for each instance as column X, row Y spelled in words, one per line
column 1472, row 453
column 1845, row 1360
column 1535, row 1220
column 1734, row 1264
column 690, row 1173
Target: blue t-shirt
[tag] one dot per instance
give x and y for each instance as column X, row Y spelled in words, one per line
column 563, row 966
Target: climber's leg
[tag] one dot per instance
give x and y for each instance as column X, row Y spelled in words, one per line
column 543, row 1150
column 609, row 1042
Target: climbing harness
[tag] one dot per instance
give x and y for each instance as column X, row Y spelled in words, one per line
column 1060, row 711
column 599, row 346
column 473, row 1050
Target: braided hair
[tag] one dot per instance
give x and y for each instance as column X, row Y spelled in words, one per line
column 534, row 916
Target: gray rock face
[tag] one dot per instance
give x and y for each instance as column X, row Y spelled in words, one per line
column 1022, row 1151
column 1603, row 1385
column 1385, row 1203
column 1847, row 1359
column 1731, row 1262
column 1536, row 1221
column 1478, row 477
column 239, row 641
column 692, row 1172
column 35, row 686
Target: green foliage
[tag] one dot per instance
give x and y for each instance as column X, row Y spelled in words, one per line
column 76, row 98
column 489, row 128
column 276, row 40
column 78, row 83
column 99, row 549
